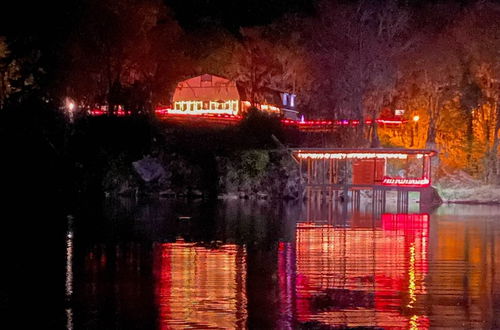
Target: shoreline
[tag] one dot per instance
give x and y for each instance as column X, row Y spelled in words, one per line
column 470, row 194
column 472, row 202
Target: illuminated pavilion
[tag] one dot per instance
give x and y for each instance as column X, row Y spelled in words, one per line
column 212, row 95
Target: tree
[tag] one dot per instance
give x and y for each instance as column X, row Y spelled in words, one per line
column 433, row 72
column 292, row 62
column 477, row 34
column 5, row 72
column 356, row 47
column 20, row 72
column 257, row 58
column 257, row 65
column 212, row 49
column 122, row 49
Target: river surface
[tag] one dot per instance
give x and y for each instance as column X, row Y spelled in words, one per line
column 257, row 265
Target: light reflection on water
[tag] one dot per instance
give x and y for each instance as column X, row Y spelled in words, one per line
column 69, row 273
column 201, row 288
column 362, row 276
column 259, row 266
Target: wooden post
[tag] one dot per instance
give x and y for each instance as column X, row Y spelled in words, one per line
column 374, row 169
column 330, row 179
column 427, row 167
column 384, row 193
column 309, row 171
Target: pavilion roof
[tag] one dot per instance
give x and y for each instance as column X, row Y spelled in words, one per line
column 429, row 152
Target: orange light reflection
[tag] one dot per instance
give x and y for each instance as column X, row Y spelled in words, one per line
column 202, row 288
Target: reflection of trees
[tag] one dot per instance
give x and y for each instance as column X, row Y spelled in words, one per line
column 111, row 278
column 463, row 282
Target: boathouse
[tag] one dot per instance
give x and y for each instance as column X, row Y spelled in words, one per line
column 328, row 172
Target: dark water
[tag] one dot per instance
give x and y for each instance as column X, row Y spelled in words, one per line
column 244, row 264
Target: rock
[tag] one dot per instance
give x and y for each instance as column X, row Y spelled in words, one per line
column 430, row 197
column 149, row 169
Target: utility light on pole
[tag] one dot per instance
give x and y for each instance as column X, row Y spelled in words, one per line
column 70, row 108
column 414, row 130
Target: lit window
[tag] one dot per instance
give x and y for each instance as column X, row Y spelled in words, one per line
column 292, row 100
column 285, row 98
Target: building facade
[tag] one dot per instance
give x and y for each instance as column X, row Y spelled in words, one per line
column 213, row 95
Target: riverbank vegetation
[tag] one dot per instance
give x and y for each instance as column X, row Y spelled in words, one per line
column 142, row 156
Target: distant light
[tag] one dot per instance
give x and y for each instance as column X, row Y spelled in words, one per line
column 70, row 108
column 69, row 104
column 416, row 118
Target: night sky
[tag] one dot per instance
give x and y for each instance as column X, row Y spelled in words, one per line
column 51, row 19
column 46, row 25
column 235, row 13
column 39, row 16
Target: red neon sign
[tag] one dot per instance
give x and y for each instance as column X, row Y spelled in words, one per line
column 406, row 182
column 100, row 112
column 343, row 122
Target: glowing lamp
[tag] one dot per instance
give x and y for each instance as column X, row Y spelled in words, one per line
column 416, row 118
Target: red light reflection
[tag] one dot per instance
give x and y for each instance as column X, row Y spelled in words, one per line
column 360, row 276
